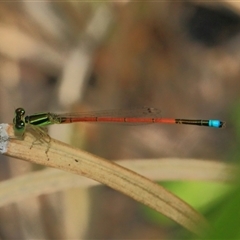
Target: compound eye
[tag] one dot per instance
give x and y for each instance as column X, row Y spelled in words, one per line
column 20, row 111
column 20, row 125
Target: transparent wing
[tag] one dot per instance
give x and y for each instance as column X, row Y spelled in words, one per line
column 138, row 112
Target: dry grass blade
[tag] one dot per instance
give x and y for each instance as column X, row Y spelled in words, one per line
column 62, row 156
column 35, row 184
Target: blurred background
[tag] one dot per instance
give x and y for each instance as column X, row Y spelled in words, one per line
column 180, row 57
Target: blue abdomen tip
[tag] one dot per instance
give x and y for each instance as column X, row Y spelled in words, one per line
column 215, row 123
